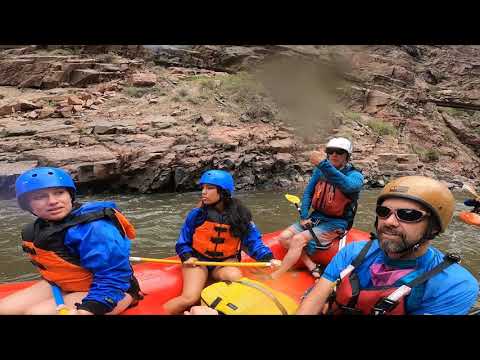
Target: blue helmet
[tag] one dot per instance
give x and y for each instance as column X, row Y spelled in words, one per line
column 42, row 178
column 220, row 178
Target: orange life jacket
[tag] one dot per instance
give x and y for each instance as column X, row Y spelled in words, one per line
column 329, row 199
column 47, row 251
column 349, row 299
column 214, row 239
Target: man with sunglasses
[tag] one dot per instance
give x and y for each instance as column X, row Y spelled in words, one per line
column 332, row 192
column 397, row 271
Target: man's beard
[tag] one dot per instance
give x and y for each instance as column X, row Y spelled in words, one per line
column 391, row 246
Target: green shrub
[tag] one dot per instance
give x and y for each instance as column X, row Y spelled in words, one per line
column 381, row 128
column 137, row 92
column 351, row 115
column 426, row 155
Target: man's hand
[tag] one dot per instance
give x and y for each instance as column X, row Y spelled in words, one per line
column 316, row 157
column 306, row 223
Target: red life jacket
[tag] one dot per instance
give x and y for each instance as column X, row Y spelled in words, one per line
column 350, row 299
column 45, row 247
column 329, row 199
column 214, row 239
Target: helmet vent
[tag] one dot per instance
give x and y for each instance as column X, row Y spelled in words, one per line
column 50, row 173
column 34, row 175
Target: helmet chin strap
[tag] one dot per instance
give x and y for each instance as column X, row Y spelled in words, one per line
column 410, row 249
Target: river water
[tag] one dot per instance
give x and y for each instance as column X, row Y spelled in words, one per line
column 158, row 218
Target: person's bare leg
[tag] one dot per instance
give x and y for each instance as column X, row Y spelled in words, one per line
column 194, row 279
column 49, row 307
column 19, row 302
column 227, row 273
column 285, row 236
column 294, row 253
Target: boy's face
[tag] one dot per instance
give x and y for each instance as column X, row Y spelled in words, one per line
column 51, row 204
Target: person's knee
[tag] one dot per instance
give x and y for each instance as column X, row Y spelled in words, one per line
column 189, row 299
column 298, row 241
column 284, row 241
column 7, row 308
column 232, row 275
column 39, row 310
column 4, row 310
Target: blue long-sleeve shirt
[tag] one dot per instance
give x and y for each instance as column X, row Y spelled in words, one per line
column 252, row 244
column 105, row 252
column 348, row 179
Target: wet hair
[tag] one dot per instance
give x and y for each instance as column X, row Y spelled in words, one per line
column 237, row 215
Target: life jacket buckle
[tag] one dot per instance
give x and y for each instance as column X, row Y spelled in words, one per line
column 347, row 310
column 323, row 246
column 383, row 306
column 217, row 240
column 454, row 257
column 214, row 254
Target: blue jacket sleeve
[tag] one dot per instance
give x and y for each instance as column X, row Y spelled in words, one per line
column 350, row 183
column 183, row 247
column 104, row 252
column 255, row 247
column 308, row 193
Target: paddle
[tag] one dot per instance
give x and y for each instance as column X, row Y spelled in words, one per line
column 57, row 295
column 204, row 263
column 295, row 200
column 471, row 190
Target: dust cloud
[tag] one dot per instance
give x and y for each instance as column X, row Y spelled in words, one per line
column 306, row 92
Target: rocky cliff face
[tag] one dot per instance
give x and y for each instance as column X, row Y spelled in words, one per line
column 129, row 119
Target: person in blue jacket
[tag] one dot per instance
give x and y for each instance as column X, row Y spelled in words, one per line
column 81, row 249
column 398, row 271
column 332, row 192
column 217, row 230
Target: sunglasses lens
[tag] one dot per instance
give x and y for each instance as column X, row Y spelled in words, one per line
column 383, row 211
column 336, row 151
column 409, row 215
column 406, row 215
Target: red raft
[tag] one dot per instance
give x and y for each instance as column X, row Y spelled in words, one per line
column 470, row 218
column 162, row 282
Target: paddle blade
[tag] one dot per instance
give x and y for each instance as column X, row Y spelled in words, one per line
column 470, row 189
column 292, row 198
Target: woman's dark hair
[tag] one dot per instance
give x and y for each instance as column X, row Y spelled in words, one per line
column 236, row 215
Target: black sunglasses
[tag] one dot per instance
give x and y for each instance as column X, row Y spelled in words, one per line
column 330, row 151
column 404, row 215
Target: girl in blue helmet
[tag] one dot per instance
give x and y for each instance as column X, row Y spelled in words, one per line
column 217, row 230
column 81, row 249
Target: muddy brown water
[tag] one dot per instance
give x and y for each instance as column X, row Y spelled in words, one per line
column 158, row 218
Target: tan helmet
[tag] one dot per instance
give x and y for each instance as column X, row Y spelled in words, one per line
column 429, row 192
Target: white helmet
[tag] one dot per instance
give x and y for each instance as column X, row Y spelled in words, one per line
column 340, row 143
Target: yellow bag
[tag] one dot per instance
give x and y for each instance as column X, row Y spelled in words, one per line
column 247, row 297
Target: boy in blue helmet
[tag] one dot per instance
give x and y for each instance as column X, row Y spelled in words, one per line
column 215, row 231
column 81, row 249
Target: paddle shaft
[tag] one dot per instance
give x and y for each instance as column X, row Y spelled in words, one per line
column 309, row 227
column 204, row 263
column 57, row 295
